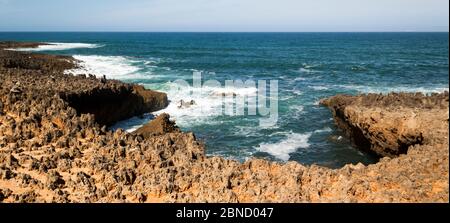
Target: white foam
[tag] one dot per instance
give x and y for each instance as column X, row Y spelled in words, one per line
column 326, row 129
column 151, row 63
column 316, row 103
column 319, row 88
column 286, row 97
column 248, row 131
column 297, row 108
column 305, row 70
column 232, row 91
column 307, row 66
column 209, row 102
column 114, row 67
column 285, row 147
column 295, row 92
column 300, row 79
column 59, row 46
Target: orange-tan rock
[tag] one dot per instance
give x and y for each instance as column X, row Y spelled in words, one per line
column 55, row 147
column 159, row 126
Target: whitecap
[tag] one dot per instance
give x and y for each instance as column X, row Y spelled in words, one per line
column 285, row 147
column 316, row 103
column 300, row 79
column 297, row 108
column 150, row 62
column 232, row 91
column 114, row 67
column 305, row 70
column 318, row 88
column 59, row 46
column 296, row 92
column 208, row 102
column 247, row 131
column 286, row 97
column 326, row 129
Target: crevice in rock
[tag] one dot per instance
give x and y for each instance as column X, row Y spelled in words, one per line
column 355, row 134
column 404, row 145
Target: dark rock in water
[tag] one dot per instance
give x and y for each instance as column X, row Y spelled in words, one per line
column 103, row 80
column 160, row 125
column 183, row 104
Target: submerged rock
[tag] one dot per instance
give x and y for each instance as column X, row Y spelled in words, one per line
column 182, row 104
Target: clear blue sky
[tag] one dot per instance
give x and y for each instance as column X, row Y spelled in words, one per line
column 224, row 15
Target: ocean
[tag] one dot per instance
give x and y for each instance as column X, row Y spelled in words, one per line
column 307, row 66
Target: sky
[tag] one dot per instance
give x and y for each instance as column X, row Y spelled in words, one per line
column 225, row 15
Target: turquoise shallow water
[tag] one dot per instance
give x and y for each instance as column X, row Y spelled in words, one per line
column 308, row 66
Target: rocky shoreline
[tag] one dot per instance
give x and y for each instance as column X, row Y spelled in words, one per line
column 55, row 146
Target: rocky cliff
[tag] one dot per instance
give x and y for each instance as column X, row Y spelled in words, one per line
column 55, row 147
column 389, row 125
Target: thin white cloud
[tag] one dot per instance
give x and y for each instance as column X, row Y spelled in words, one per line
column 230, row 15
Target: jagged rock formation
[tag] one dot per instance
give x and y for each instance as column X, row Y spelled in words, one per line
column 52, row 149
column 159, row 126
column 390, row 124
column 37, row 62
column 109, row 101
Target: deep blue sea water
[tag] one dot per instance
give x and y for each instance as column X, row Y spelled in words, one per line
column 308, row 66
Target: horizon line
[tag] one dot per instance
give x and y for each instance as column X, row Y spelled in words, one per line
column 117, row 31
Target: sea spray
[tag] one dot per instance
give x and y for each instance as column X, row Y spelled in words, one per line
column 234, row 103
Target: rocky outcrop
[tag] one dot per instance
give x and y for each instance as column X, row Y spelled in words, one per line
column 41, row 62
column 114, row 102
column 108, row 100
column 390, row 124
column 159, row 126
column 50, row 151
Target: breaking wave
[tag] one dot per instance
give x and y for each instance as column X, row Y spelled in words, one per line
column 285, row 147
column 59, row 46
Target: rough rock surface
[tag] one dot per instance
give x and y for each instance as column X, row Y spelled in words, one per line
column 55, row 150
column 390, row 124
column 160, row 125
column 108, row 101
